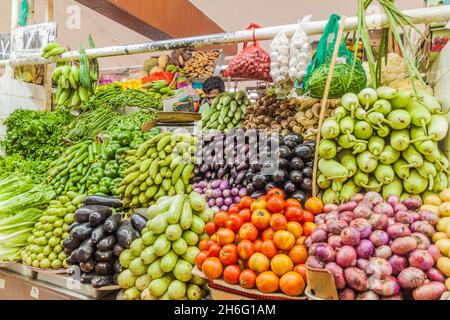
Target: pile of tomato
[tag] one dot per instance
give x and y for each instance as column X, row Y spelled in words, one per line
column 260, row 243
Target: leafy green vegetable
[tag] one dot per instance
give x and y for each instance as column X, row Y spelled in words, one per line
column 35, row 169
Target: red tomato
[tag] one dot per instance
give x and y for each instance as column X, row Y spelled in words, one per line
column 269, row 249
column 225, row 236
column 293, row 202
column 234, row 208
column 245, row 249
column 258, row 204
column 214, row 250
column 267, row 234
column 301, row 269
column 209, row 243
column 228, row 255
column 261, row 218
column 257, row 245
column 200, row 258
column 308, row 216
column 264, row 197
column 294, row 213
column 246, row 202
column 203, row 245
column 247, row 279
column 275, row 204
column 234, row 222
column 220, row 218
column 248, row 232
column 210, row 228
column 275, row 192
column 246, row 214
column 278, row 222
column 231, row 274
column 308, row 228
column 212, row 268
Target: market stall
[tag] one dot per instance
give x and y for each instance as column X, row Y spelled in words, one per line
column 332, row 184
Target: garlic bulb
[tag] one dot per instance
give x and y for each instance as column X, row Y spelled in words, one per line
column 300, row 54
column 279, row 55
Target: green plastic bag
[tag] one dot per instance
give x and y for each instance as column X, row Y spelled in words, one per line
column 23, row 13
column 346, row 77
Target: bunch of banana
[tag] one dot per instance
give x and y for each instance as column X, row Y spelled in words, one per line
column 52, row 49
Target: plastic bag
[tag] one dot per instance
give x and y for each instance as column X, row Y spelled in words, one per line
column 348, row 75
column 251, row 63
column 300, row 55
column 279, row 58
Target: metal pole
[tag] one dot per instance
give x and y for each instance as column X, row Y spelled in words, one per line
column 418, row 16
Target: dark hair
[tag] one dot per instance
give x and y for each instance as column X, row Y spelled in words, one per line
column 213, row 83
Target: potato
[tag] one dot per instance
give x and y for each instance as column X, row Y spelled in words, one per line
column 443, row 246
column 432, row 200
column 438, row 236
column 442, row 224
column 445, row 195
column 430, row 207
column 443, row 264
column 444, row 209
column 447, row 283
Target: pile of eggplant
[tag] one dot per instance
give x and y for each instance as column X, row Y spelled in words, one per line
column 293, row 170
column 97, row 237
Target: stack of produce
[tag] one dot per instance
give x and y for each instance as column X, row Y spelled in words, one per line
column 201, row 64
column 227, row 112
column 434, row 206
column 300, row 115
column 159, row 265
column 270, row 252
column 160, row 166
column 378, row 249
column 294, row 173
column 97, row 238
column 36, row 170
column 45, row 246
column 160, row 88
column 383, row 140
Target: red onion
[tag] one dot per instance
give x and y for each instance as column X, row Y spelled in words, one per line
column 421, row 259
column 325, row 252
column 330, row 207
column 368, row 295
column 215, row 184
column 350, row 236
column 403, row 245
column 379, row 221
column 224, row 208
column 211, row 202
column 314, row 262
column 422, row 241
column 217, row 194
column 384, row 252
column 224, row 185
column 403, row 216
column 398, row 230
column 336, row 226
column 357, row 197
column 423, row 227
column 398, row 263
column 393, row 200
column 234, row 191
column 373, row 197
column 429, row 216
column 384, row 208
column 384, row 287
column 379, row 238
column 379, row 267
column 335, row 241
column 365, row 249
column 363, row 226
column 215, row 209
column 434, row 251
column 318, row 235
column 362, row 211
column 338, row 274
column 348, row 206
column 226, row 193
column 308, row 242
column 411, row 278
column 346, row 257
column 356, row 279
column 331, row 216
column 394, row 297
column 362, row 264
column 198, row 190
column 412, row 203
column 312, row 247
column 242, row 192
column 346, row 216
column 429, row 291
column 391, row 221
column 400, row 207
column 236, row 199
column 228, row 201
column 366, row 203
column 435, row 275
column 209, row 193
column 347, row 294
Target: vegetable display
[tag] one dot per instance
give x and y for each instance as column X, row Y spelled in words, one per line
column 97, row 238
column 382, row 140
column 45, row 246
column 378, row 249
column 201, row 64
column 226, row 113
column 269, row 254
column 159, row 264
column 162, row 165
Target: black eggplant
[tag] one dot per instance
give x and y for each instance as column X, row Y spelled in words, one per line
column 103, row 268
column 117, row 249
column 85, row 251
column 303, row 151
column 297, row 138
column 107, row 243
column 87, row 266
column 103, row 201
column 242, row 166
column 285, row 152
column 257, row 194
column 296, row 176
column 284, row 163
column 231, row 181
column 98, row 218
column 82, row 215
column 279, row 176
column 291, row 144
column 86, row 278
column 94, row 208
column 297, row 164
column 73, row 225
column 306, row 184
column 104, row 256
column 240, row 177
column 82, row 232
column 101, row 281
column 138, row 221
column 250, row 188
column 289, row 187
column 269, row 186
column 222, row 172
column 299, row 195
column 259, row 181
column 117, row 267
column 112, row 223
column 125, row 234
column 233, row 172
column 72, row 258
column 98, row 234
column 307, row 172
column 70, row 243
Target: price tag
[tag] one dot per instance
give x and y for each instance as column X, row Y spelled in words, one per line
column 2, row 283
column 34, row 293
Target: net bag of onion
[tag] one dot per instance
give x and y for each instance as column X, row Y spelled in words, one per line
column 251, row 63
column 348, row 75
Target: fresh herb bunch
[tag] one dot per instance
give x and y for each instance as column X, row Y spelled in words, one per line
column 35, row 135
column 103, row 95
column 35, row 169
column 131, row 122
column 136, row 98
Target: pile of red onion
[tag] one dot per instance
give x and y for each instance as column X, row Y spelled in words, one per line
column 378, row 249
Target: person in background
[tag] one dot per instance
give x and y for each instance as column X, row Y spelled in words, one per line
column 212, row 87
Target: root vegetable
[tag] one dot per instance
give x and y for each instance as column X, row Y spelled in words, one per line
column 422, row 241
column 350, row 236
column 384, row 252
column 338, row 274
column 346, row 257
column 356, row 279
column 365, row 249
column 435, row 275
column 398, row 263
column 347, row 294
column 421, row 259
column 404, row 245
column 411, row 278
column 384, row 287
column 429, row 291
column 398, row 230
column 379, row 238
column 363, row 226
column 379, row 221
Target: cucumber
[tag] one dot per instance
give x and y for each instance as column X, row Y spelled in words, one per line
column 186, row 216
